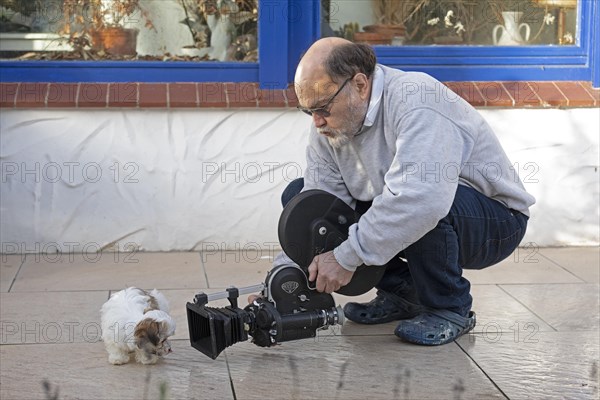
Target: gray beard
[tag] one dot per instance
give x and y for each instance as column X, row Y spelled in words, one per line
column 338, row 138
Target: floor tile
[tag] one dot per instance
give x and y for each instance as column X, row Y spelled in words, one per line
column 351, row 328
column 355, row 367
column 54, row 317
column 105, row 271
column 236, row 268
column 525, row 265
column 584, row 262
column 499, row 313
column 9, row 266
column 566, row 307
column 552, row 365
column 82, row 371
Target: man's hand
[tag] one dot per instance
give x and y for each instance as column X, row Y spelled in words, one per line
column 329, row 274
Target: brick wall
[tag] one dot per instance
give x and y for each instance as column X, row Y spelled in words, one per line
column 248, row 95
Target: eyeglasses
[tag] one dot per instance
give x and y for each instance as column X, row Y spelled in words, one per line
column 323, row 110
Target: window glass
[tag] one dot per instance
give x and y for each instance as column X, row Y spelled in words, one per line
column 173, row 30
column 444, row 22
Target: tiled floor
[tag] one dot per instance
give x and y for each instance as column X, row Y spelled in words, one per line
column 537, row 335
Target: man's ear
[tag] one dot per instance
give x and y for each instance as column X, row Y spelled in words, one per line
column 363, row 85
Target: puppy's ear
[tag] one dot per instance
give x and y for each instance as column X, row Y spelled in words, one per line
column 147, row 331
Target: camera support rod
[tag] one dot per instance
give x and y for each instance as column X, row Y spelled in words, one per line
column 231, row 293
column 227, row 294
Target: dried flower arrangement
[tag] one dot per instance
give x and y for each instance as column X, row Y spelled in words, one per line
column 99, row 25
column 465, row 21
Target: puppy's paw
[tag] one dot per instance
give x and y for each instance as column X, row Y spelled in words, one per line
column 145, row 358
column 118, row 359
column 149, row 360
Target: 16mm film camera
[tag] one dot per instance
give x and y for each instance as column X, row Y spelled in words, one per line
column 289, row 307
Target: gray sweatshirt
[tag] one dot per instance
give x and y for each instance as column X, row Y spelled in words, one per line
column 418, row 143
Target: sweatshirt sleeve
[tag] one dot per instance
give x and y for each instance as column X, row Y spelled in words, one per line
column 419, row 189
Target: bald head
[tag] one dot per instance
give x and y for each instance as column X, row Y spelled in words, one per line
column 327, row 64
column 312, row 65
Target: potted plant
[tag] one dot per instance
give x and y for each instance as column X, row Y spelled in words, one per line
column 101, row 24
column 389, row 22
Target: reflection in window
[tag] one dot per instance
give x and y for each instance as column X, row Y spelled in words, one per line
column 174, row 30
column 445, row 22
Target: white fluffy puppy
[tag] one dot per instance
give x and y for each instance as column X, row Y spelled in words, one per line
column 135, row 321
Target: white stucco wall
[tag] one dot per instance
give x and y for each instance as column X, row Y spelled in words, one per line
column 189, row 179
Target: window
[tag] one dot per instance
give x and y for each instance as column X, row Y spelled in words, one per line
column 179, row 30
column 556, row 42
column 452, row 22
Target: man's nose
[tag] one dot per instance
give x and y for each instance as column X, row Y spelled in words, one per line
column 319, row 121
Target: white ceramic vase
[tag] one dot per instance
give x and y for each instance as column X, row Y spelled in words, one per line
column 510, row 32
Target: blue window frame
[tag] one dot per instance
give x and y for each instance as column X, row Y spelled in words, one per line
column 286, row 29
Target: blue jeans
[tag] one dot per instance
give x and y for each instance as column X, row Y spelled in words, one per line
column 477, row 232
